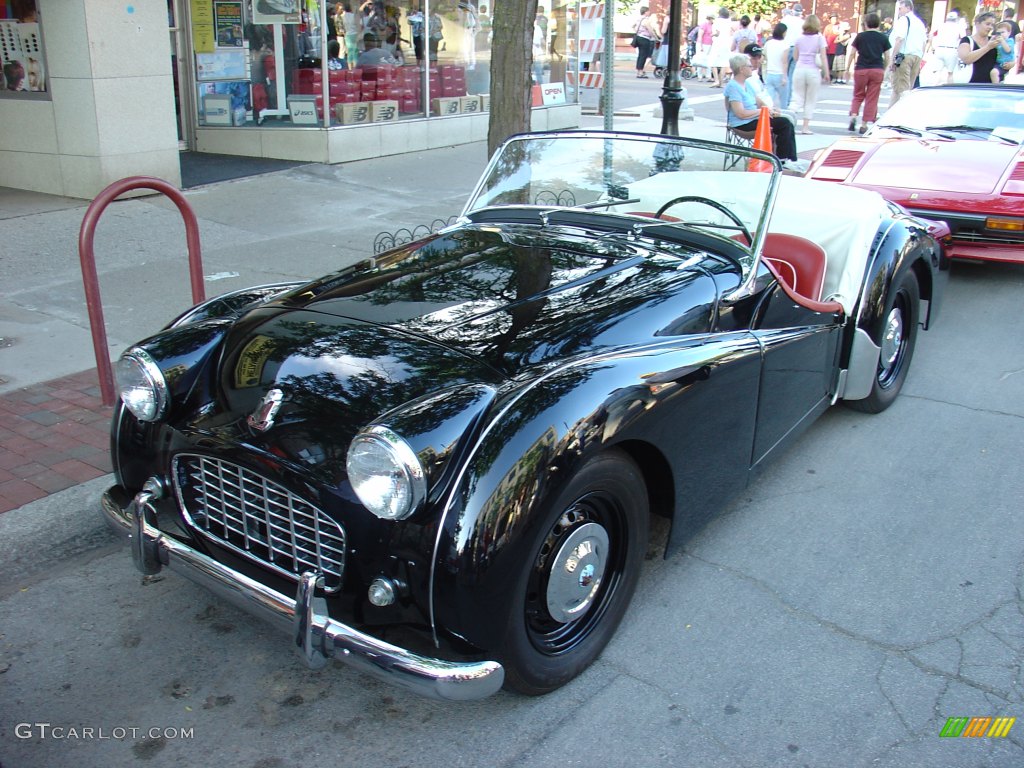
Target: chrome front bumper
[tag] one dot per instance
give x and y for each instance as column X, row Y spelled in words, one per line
column 317, row 637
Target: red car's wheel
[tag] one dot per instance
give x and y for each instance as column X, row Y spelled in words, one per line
column 578, row 583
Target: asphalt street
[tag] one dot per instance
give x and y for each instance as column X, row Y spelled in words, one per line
column 866, row 587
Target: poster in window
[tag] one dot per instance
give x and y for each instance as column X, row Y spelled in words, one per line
column 275, row 11
column 228, row 21
column 22, row 66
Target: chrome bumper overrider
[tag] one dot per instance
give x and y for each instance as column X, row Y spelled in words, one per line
column 317, row 637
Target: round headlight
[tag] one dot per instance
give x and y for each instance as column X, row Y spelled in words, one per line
column 141, row 385
column 386, row 474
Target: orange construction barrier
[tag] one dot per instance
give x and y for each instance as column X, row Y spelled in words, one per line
column 762, row 141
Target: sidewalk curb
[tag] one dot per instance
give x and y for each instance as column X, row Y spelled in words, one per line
column 47, row 533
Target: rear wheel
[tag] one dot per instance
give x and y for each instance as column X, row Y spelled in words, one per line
column 898, row 334
column 575, row 588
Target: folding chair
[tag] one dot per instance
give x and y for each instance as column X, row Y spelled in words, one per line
column 735, row 138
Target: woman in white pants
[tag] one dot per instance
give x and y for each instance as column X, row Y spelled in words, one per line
column 811, row 71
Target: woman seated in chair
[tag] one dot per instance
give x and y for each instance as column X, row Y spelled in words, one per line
column 744, row 107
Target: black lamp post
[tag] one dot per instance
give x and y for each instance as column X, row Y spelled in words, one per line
column 672, row 91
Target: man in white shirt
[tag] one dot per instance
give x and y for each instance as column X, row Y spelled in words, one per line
column 908, row 38
column 945, row 42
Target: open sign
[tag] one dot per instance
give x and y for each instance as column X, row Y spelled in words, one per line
column 552, row 93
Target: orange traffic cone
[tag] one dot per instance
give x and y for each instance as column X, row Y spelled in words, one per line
column 762, row 141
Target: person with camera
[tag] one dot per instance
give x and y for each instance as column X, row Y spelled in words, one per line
column 907, row 37
column 979, row 50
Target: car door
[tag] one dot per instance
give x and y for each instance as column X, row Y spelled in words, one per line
column 799, row 348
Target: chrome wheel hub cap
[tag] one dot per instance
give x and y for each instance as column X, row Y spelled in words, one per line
column 892, row 339
column 576, row 573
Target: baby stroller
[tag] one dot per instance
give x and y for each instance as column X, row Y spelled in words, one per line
column 686, row 70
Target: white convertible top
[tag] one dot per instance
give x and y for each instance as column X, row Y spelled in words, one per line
column 842, row 220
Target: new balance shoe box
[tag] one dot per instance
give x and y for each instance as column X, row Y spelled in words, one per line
column 353, row 113
column 469, row 104
column 485, row 102
column 383, row 111
column 445, row 106
column 409, row 104
column 368, row 91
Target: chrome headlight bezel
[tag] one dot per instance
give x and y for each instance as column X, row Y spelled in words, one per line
column 137, row 372
column 396, row 465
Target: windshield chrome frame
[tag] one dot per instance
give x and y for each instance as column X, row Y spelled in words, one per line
column 748, row 264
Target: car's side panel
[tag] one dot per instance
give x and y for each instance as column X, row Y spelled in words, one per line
column 692, row 401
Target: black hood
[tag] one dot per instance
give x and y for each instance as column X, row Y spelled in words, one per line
column 517, row 296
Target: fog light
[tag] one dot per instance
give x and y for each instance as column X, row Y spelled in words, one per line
column 381, row 592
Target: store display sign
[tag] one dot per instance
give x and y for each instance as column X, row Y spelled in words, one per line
column 552, row 93
column 228, row 22
column 276, row 12
column 222, row 65
column 303, row 110
column 217, row 109
column 203, row 38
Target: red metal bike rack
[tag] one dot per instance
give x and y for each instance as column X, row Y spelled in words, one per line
column 88, row 259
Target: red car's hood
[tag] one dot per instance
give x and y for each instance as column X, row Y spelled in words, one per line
column 967, row 167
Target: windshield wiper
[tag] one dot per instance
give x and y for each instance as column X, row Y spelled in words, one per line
column 902, row 129
column 970, row 129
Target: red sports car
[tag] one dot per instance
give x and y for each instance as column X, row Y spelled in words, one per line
column 952, row 153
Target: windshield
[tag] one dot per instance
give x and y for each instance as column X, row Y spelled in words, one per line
column 961, row 110
column 640, row 180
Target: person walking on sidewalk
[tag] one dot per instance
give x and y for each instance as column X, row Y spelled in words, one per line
column 908, row 38
column 647, row 35
column 722, row 41
column 945, row 42
column 811, row 70
column 869, row 56
column 776, row 73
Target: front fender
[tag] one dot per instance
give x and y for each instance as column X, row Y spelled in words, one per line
column 905, row 246
column 649, row 402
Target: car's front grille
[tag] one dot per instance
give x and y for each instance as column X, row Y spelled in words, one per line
column 258, row 518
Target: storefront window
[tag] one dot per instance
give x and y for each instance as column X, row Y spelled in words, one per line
column 21, row 50
column 267, row 67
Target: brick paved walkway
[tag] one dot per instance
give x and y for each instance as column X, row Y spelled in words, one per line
column 52, row 436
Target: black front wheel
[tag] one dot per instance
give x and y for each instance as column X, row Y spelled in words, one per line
column 898, row 335
column 577, row 584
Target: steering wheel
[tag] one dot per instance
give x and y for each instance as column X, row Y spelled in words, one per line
column 713, row 204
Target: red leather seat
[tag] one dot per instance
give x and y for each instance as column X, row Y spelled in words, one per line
column 797, row 261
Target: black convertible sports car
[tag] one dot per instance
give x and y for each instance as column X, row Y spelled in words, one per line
column 465, row 437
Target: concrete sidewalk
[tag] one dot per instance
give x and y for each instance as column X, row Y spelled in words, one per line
column 287, row 225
